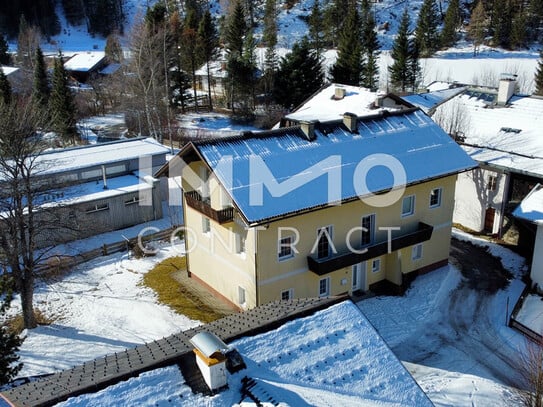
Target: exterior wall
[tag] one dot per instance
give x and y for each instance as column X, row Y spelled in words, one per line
column 274, row 275
column 536, row 274
column 213, row 257
column 473, row 198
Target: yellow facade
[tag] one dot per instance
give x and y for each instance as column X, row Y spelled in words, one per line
column 242, row 263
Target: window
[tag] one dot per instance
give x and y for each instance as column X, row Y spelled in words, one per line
column 116, row 169
column 368, row 231
column 323, row 245
column 408, row 205
column 98, row 208
column 91, row 174
column 491, row 183
column 416, row 252
column 241, row 295
column 435, row 198
column 206, row 226
column 376, row 266
column 132, row 201
column 287, row 294
column 284, row 251
column 324, row 287
column 241, row 238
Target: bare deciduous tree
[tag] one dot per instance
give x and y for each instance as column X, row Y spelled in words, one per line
column 531, row 369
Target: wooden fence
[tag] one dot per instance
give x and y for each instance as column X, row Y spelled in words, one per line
column 56, row 264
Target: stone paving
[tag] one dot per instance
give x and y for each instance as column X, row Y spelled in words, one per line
column 105, row 371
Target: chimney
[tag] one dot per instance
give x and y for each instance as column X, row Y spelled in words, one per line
column 350, row 120
column 339, row 93
column 210, row 358
column 308, row 127
column 506, row 88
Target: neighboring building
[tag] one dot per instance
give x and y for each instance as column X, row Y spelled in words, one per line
column 84, row 65
column 100, row 187
column 530, row 212
column 308, row 233
column 15, row 77
column 502, row 132
column 333, row 100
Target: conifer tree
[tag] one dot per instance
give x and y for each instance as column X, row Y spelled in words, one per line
column 477, row 26
column 519, row 30
column 334, row 18
column 370, row 48
column 207, row 45
column 315, row 24
column 501, row 23
column 236, row 30
column 349, row 65
column 426, row 33
column 5, row 58
column 61, row 104
column 401, row 54
column 269, row 39
column 9, row 341
column 40, row 86
column 300, row 75
column 539, row 76
column 451, row 23
column 5, row 88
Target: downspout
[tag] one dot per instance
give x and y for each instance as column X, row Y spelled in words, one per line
column 104, row 178
column 257, row 290
column 505, row 197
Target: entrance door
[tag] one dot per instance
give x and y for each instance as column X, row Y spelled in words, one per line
column 489, row 219
column 359, row 277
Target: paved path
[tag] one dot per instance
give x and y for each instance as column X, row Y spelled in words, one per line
column 103, row 372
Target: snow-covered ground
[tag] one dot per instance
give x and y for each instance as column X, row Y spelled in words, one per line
column 531, row 313
column 453, row 339
column 100, row 308
column 334, row 357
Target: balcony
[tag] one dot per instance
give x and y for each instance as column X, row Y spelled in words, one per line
column 196, row 201
column 348, row 258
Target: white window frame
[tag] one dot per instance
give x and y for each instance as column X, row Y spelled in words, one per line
column 376, row 265
column 327, row 283
column 98, row 208
column 241, row 242
column 439, row 194
column 371, row 231
column 206, row 225
column 280, row 245
column 492, row 182
column 242, row 296
column 412, row 211
column 416, row 252
column 134, row 200
column 290, row 294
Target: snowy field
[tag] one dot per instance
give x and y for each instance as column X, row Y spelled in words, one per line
column 100, row 308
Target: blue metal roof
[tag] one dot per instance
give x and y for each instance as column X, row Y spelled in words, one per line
column 422, row 148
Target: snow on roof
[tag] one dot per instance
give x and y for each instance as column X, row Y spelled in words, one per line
column 8, row 70
column 509, row 137
column 334, row 357
column 85, row 61
column 432, row 99
column 531, row 207
column 69, row 159
column 324, row 107
column 411, row 138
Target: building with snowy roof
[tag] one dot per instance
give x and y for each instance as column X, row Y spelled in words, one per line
column 83, row 65
column 502, row 132
column 98, row 188
column 321, row 208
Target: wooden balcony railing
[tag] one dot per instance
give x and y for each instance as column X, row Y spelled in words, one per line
column 348, row 258
column 195, row 201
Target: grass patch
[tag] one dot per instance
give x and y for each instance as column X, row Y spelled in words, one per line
column 15, row 324
column 174, row 294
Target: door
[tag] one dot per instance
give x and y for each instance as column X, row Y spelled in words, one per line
column 490, row 213
column 359, row 277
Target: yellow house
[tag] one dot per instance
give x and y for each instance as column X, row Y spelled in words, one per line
column 319, row 209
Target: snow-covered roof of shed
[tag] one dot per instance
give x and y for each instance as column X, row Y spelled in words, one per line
column 84, row 61
column 510, row 137
column 430, row 100
column 411, row 138
column 531, row 207
column 8, row 70
column 323, row 106
column 69, row 159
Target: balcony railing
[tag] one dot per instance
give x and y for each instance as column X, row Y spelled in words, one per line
column 348, row 258
column 195, row 201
